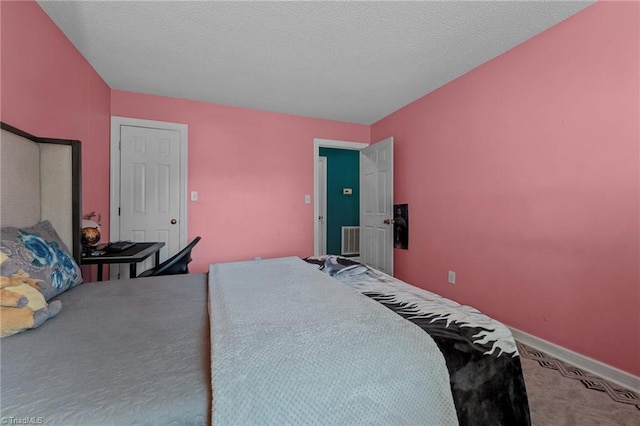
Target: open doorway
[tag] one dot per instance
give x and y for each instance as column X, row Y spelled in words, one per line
column 320, row 219
column 340, row 199
column 376, row 200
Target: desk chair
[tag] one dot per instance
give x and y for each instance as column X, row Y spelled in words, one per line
column 177, row 264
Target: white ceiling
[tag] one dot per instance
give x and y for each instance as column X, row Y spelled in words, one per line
column 349, row 61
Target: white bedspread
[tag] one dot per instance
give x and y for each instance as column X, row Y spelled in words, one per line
column 291, row 345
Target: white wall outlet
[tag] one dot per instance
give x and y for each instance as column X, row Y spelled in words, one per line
column 257, row 258
column 307, row 199
column 452, row 277
column 194, row 195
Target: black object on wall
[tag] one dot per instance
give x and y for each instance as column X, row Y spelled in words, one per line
column 401, row 226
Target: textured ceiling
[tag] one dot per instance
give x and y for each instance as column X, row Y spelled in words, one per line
column 348, row 61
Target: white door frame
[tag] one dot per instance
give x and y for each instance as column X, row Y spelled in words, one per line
column 114, row 202
column 322, row 212
column 317, row 144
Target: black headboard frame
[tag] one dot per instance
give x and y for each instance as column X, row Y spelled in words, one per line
column 76, row 182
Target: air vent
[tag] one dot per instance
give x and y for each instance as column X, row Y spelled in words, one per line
column 350, row 240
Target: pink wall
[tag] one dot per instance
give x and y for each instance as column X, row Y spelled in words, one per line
column 50, row 90
column 522, row 176
column 251, row 168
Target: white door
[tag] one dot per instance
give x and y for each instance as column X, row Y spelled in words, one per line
column 376, row 205
column 322, row 204
column 150, row 189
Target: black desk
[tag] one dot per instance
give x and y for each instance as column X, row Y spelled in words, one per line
column 132, row 255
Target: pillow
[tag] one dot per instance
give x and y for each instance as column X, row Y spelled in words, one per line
column 40, row 253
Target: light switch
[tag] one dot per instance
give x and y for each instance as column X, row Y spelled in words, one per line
column 194, row 195
column 347, row 191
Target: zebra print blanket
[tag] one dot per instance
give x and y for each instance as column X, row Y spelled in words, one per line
column 481, row 355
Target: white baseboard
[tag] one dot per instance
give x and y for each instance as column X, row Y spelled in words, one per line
column 600, row 369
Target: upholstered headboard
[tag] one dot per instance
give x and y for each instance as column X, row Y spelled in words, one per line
column 40, row 180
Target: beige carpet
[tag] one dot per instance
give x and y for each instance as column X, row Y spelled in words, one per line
column 561, row 394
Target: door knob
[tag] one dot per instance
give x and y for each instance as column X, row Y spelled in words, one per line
column 173, row 221
column 389, row 221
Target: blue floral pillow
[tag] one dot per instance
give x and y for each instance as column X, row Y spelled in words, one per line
column 41, row 253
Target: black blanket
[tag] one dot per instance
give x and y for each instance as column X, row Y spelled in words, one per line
column 484, row 366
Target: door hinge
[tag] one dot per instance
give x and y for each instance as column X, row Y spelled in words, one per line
column 118, row 211
column 120, row 145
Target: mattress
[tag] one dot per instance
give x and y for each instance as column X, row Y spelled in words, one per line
column 120, row 352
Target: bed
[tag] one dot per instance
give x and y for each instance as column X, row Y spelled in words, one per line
column 277, row 341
